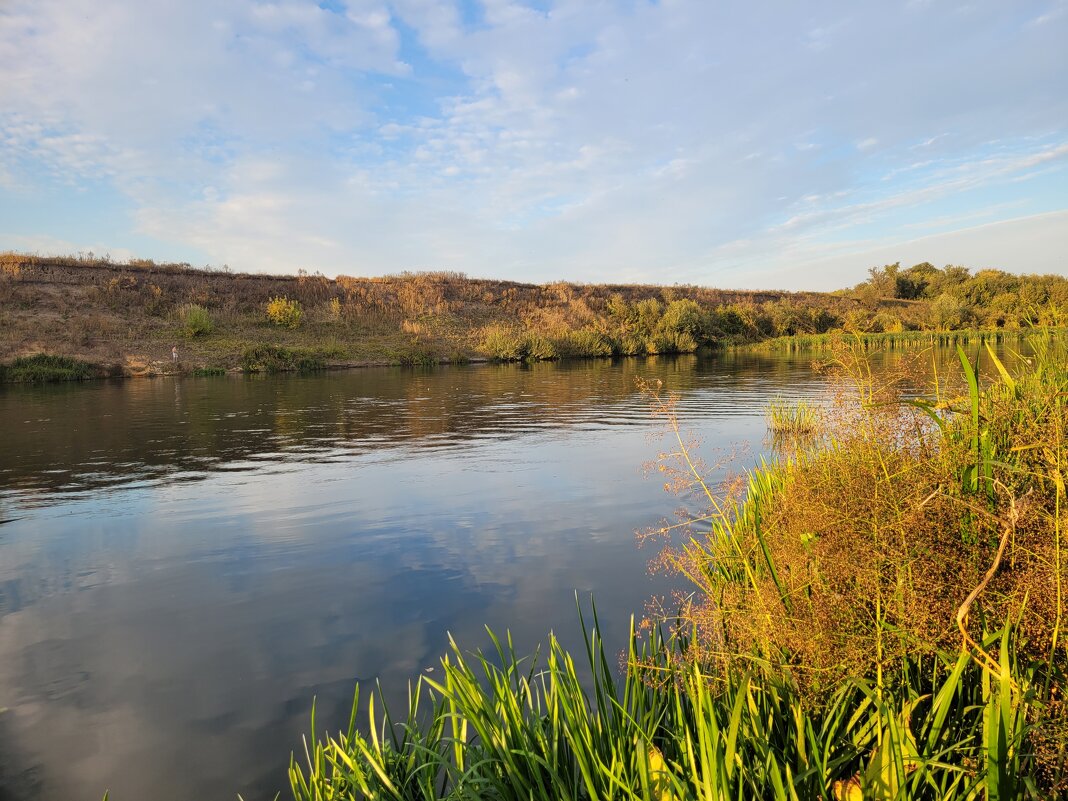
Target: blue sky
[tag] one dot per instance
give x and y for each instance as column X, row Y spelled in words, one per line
column 742, row 145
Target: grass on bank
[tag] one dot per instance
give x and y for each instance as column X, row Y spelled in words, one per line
column 47, row 368
column 868, row 341
column 496, row 726
column 276, row 359
column 878, row 616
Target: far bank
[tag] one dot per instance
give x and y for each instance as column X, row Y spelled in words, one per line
column 92, row 318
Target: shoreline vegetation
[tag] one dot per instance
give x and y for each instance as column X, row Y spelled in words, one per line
column 877, row 613
column 80, row 317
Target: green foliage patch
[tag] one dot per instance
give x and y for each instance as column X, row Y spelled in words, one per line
column 498, row 726
column 47, row 368
column 276, row 359
column 196, row 321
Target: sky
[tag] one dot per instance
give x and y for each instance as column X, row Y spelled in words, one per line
column 748, row 145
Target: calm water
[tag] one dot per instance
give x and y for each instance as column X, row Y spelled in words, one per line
column 185, row 563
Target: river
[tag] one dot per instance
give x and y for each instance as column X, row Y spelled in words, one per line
column 185, row 563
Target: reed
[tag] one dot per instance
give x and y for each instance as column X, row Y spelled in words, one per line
column 913, row 527
column 793, row 418
column 907, row 340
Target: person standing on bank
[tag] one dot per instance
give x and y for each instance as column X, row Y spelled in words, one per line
column 174, row 354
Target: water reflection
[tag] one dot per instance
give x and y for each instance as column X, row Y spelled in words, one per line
column 71, row 438
column 186, row 563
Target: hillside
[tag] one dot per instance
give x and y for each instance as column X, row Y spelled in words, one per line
column 127, row 317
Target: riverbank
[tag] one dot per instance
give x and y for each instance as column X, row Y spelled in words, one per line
column 128, row 317
column 125, row 319
column 48, row 368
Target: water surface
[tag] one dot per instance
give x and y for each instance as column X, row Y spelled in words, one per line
column 185, row 563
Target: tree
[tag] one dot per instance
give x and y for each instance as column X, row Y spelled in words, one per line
column 948, row 313
column 883, row 280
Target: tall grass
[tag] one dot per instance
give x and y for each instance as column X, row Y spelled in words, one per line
column 276, row 359
column 47, row 368
column 912, row 529
column 796, row 418
column 196, row 320
column 498, row 726
column 884, row 341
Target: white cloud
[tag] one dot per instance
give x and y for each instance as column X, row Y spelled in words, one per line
column 587, row 140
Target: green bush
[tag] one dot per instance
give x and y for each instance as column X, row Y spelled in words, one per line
column 275, row 359
column 685, row 316
column 684, row 342
column 418, row 357
column 730, row 322
column 538, row 348
column 46, row 368
column 195, row 320
column 671, row 342
column 947, row 312
column 630, row 344
column 285, row 313
column 887, row 323
column 584, row 342
column 514, row 345
column 503, row 344
column 202, row 372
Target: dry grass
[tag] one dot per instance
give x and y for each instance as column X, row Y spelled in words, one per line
column 853, row 555
column 910, row 528
column 876, row 536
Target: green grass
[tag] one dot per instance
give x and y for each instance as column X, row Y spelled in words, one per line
column 797, row 418
column 196, row 321
column 276, row 359
column 418, row 357
column 497, row 726
column 204, row 372
column 891, row 341
column 47, row 368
